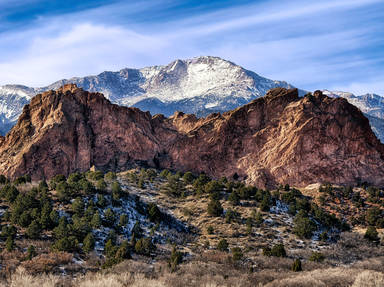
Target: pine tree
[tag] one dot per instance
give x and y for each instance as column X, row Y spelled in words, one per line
column 88, row 243
column 96, row 220
column 34, row 230
column 296, row 267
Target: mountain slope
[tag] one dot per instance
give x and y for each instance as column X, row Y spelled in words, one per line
column 276, row 139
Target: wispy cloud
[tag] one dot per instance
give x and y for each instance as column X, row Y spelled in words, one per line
column 308, row 43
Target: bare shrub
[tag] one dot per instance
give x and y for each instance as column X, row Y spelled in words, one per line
column 46, row 262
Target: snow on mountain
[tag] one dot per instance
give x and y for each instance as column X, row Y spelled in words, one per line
column 200, row 85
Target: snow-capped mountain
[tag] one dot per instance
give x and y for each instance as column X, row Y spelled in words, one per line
column 200, row 85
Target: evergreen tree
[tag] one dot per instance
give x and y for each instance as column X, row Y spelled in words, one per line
column 31, row 252
column 222, row 245
column 215, row 208
column 296, row 267
column 34, row 230
column 96, row 220
column 88, row 243
column 9, row 244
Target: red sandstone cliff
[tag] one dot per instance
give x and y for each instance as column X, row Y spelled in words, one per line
column 279, row 138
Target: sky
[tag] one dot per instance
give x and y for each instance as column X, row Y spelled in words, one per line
column 329, row 44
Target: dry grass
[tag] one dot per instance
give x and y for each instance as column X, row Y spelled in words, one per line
column 196, row 274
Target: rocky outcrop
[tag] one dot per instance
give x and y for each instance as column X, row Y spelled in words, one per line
column 279, row 138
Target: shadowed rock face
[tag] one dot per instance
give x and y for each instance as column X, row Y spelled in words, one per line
column 279, row 138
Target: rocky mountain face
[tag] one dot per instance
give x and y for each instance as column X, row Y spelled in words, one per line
column 278, row 138
column 201, row 85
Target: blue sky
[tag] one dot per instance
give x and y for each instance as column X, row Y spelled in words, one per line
column 333, row 44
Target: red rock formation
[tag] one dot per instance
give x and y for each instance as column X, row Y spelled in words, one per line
column 279, row 138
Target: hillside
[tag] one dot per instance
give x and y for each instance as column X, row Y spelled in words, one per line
column 146, row 226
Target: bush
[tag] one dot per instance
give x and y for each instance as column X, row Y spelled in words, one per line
column 110, row 176
column 174, row 187
column 9, row 244
column 31, row 252
column 234, row 198
column 215, row 208
column 69, row 244
column 78, row 206
column 222, row 245
column 210, row 229
column 296, row 266
column 317, row 257
column 372, row 234
column 188, row 177
column 373, row 215
column 175, row 259
column 237, row 254
column 144, row 246
column 277, row 250
column 109, row 218
column 230, row 215
column 303, row 226
column 34, row 230
column 154, row 213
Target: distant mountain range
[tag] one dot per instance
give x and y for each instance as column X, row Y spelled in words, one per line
column 200, row 85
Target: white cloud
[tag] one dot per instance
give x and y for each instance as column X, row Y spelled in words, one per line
column 307, row 43
column 85, row 48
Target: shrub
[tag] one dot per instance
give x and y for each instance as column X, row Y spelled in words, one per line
column 34, row 230
column 210, row 229
column 69, row 244
column 31, row 252
column 110, row 176
column 144, row 246
column 78, row 206
column 109, row 218
column 215, row 208
column 317, row 257
column 237, row 254
column 175, row 259
column 9, row 244
column 303, row 226
column 101, row 185
column 234, row 198
column 164, row 173
column 123, row 220
column 222, row 245
column 188, row 177
column 174, row 187
column 371, row 234
column 296, row 266
column 277, row 250
column 154, row 213
column 373, row 215
column 230, row 215
column 123, row 252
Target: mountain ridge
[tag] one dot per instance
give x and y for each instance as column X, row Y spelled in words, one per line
column 276, row 139
column 201, row 85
